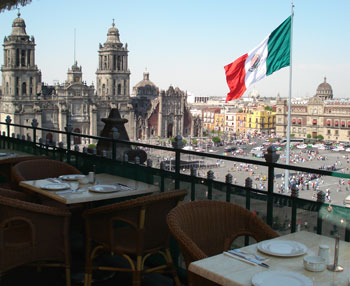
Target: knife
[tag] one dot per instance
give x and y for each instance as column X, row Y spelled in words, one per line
column 247, row 259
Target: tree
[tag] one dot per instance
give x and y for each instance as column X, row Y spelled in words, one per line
column 194, row 142
column 308, row 136
column 320, row 137
column 268, row 108
column 292, row 134
column 216, row 139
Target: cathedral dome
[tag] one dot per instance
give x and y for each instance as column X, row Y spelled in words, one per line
column 146, row 87
column 18, row 26
column 324, row 90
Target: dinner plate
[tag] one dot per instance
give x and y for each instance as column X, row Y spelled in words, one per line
column 73, row 177
column 2, row 154
column 104, row 189
column 284, row 248
column 279, row 277
column 55, row 186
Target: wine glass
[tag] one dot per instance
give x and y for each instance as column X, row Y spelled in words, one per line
column 74, row 185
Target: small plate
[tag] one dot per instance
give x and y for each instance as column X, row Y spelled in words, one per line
column 55, row 186
column 73, row 177
column 2, row 154
column 104, row 189
column 279, row 277
column 283, row 248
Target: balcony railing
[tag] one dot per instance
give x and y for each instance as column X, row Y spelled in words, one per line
column 283, row 212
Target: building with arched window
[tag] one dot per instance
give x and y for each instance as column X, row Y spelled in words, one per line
column 320, row 116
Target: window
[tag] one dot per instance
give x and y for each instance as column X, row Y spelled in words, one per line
column 119, row 89
column 336, row 132
column 328, row 132
column 23, row 58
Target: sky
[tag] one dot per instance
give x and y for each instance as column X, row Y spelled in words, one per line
column 187, row 43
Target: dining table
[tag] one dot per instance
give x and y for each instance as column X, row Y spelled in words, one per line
column 106, row 187
column 223, row 269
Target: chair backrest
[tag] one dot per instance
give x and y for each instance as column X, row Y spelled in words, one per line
column 206, row 228
column 41, row 169
column 145, row 218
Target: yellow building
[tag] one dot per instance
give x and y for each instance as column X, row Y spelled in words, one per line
column 219, row 122
column 261, row 121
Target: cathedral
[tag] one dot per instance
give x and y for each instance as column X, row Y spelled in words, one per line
column 150, row 113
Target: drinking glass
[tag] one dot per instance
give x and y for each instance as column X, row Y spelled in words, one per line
column 74, row 185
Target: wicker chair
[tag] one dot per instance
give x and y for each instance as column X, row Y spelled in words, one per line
column 41, row 169
column 134, row 228
column 32, row 233
column 207, row 228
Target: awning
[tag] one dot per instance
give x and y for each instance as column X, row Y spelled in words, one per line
column 299, row 121
column 294, row 121
column 343, row 123
column 348, row 123
column 314, row 121
column 328, row 122
column 336, row 123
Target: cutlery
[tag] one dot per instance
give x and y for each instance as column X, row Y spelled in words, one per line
column 257, row 257
column 246, row 259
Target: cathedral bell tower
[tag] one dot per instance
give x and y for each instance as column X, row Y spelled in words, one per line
column 113, row 75
column 21, row 78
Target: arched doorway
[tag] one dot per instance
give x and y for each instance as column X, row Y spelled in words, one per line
column 76, row 139
column 139, row 136
column 170, row 130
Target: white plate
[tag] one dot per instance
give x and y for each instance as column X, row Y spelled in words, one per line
column 73, row 177
column 55, row 186
column 104, row 189
column 2, row 154
column 278, row 278
column 284, row 248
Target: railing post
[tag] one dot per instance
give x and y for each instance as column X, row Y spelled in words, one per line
column 162, row 168
column 321, row 196
column 294, row 194
column 271, row 157
column 228, row 181
column 115, row 135
column 69, row 129
column 8, row 122
column 34, row 125
column 178, row 144
column 193, row 183
column 210, row 177
column 248, row 185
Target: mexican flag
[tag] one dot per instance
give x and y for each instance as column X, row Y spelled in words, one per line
column 272, row 54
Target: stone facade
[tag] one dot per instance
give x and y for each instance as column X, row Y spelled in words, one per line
column 161, row 113
column 319, row 115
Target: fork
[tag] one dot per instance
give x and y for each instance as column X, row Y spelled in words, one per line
column 257, row 257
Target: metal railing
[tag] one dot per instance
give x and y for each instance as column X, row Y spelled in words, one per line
column 280, row 211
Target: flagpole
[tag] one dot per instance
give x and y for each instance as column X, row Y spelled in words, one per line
column 286, row 176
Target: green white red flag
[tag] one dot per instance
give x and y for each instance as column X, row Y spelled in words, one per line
column 272, row 54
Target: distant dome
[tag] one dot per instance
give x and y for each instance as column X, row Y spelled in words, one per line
column 18, row 26
column 324, row 90
column 145, row 87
